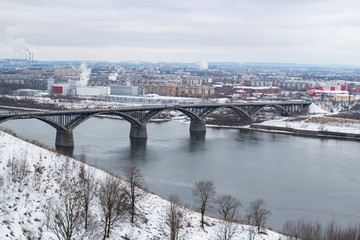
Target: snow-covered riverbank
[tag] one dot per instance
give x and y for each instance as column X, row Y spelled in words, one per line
column 319, row 123
column 24, row 202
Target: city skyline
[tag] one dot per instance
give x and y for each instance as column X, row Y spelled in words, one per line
column 306, row 32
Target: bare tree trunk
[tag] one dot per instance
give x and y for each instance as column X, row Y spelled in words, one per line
column 135, row 178
column 64, row 221
column 174, row 217
column 87, row 194
column 257, row 214
column 204, row 193
column 227, row 207
column 113, row 203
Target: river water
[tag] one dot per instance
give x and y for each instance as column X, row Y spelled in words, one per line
column 297, row 177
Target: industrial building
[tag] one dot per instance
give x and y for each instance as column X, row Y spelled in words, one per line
column 178, row 90
column 68, row 72
column 30, row 92
column 93, row 91
column 124, row 90
column 344, row 98
column 328, row 89
column 71, row 90
column 60, row 89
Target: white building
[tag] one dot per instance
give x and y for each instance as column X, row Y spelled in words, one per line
column 93, row 91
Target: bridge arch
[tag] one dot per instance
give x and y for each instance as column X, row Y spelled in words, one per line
column 193, row 116
column 283, row 111
column 237, row 110
column 127, row 117
column 188, row 113
column 47, row 121
column 51, row 123
column 75, row 122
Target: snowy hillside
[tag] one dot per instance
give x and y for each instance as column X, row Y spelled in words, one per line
column 35, row 181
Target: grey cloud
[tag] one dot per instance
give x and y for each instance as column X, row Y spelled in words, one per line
column 258, row 28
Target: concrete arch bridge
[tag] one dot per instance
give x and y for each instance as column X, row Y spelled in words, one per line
column 66, row 121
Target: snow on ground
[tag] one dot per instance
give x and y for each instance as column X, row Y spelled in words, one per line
column 75, row 103
column 315, row 109
column 315, row 123
column 24, row 203
column 324, row 107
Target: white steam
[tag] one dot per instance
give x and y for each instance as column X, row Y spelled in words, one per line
column 113, row 76
column 84, row 75
column 18, row 45
column 202, row 65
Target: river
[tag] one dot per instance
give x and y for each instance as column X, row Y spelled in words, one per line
column 297, row 177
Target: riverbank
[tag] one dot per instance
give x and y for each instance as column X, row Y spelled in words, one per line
column 305, row 133
column 283, row 127
column 314, row 126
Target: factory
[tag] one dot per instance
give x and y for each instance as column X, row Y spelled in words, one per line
column 71, row 90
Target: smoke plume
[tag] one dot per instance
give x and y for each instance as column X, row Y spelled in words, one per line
column 113, row 76
column 202, row 65
column 84, row 75
column 19, row 46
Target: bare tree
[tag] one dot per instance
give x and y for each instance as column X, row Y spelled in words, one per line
column 226, row 230
column 251, row 232
column 135, row 178
column 19, row 168
column 174, row 217
column 290, row 228
column 64, row 219
column 87, row 194
column 82, row 166
column 308, row 230
column 3, row 193
column 257, row 214
column 227, row 207
column 113, row 203
column 302, row 229
column 204, row 193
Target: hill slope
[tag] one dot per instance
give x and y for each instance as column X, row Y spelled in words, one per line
column 34, row 180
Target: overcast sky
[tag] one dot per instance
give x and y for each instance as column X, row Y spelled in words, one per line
column 293, row 31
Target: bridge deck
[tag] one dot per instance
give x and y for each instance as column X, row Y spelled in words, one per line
column 151, row 107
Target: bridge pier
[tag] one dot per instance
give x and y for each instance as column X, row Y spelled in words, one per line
column 138, row 131
column 64, row 138
column 68, row 151
column 305, row 108
column 197, row 126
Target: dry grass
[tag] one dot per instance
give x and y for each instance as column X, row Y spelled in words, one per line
column 35, row 142
column 331, row 120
